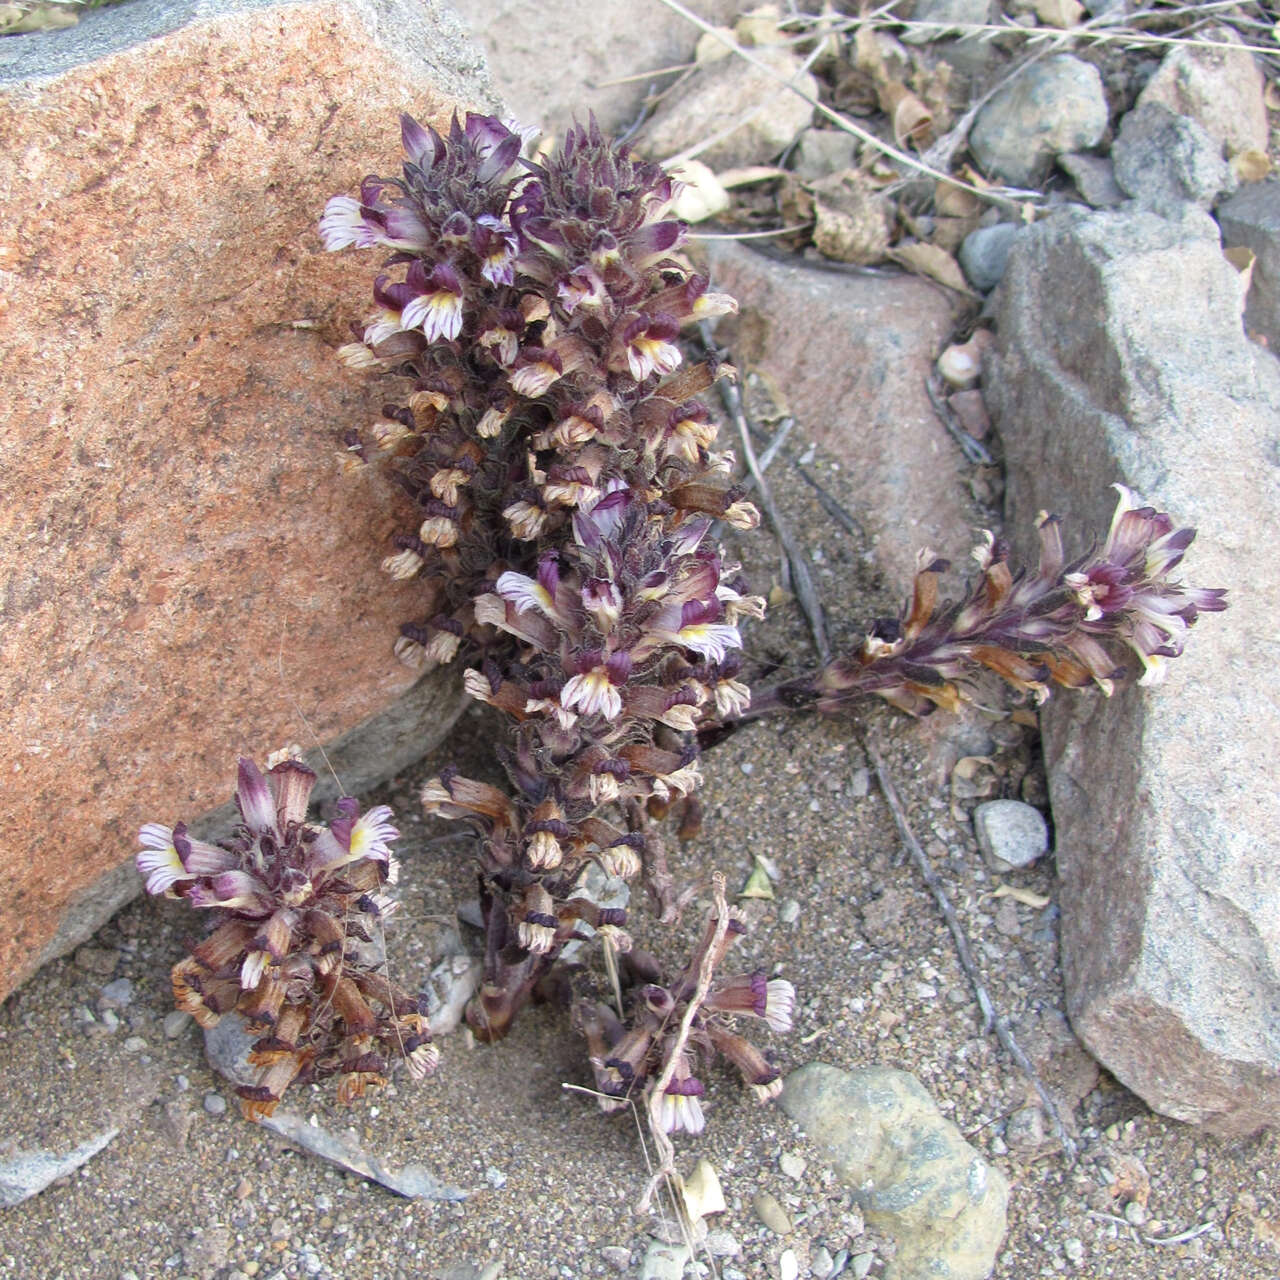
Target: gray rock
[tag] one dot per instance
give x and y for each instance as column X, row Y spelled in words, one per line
column 616, row 1256
column 1024, row 1130
column 1162, row 159
column 719, row 96
column 176, row 1021
column 722, row 1244
column 664, row 1261
column 413, row 1181
column 116, row 995
column 24, row 1174
column 1054, row 106
column 1251, row 219
column 984, row 253
column 226, row 1045
column 821, row 153
column 215, row 1104
column 947, row 14
column 907, row 1167
column 1010, row 834
column 771, row 1213
column 1221, row 89
column 587, row 43
column 1095, row 178
column 1121, row 357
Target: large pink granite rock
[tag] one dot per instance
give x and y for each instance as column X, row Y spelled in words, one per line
column 186, row 572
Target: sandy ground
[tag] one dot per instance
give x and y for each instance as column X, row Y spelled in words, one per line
column 182, row 1191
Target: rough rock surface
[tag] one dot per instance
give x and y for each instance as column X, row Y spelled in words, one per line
column 1121, row 358
column 1221, row 89
column 1162, row 158
column 724, row 93
column 556, row 67
column 187, row 573
column 849, row 354
column 1251, row 218
column 907, row 1166
column 1054, row 106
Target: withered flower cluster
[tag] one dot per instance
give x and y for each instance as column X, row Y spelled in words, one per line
column 626, row 1055
column 1068, row 623
column 298, row 949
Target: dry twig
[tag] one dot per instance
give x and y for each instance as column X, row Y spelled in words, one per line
column 991, row 1018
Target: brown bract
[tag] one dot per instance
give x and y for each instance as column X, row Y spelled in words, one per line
column 174, row 520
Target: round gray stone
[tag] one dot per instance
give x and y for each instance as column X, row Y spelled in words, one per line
column 1054, row 106
column 985, row 252
column 1010, row 834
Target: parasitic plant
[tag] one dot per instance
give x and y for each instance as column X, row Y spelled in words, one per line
column 566, row 491
column 297, row 951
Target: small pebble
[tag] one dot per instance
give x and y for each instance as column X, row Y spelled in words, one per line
column 215, row 1104
column 495, row 1178
column 664, row 1261
column 1134, row 1214
column 789, row 912
column 1074, row 1249
column 1010, row 833
column 788, row 1266
column 792, row 1165
column 116, row 995
column 862, row 1264
column 859, row 783
column 181, row 1083
column 1199, row 1175
column 747, row 768
column 134, row 1044
column 771, row 1213
column 176, row 1021
column 723, row 1244
column 616, row 1256
column 109, row 1019
column 821, row 1263
column 244, row 1189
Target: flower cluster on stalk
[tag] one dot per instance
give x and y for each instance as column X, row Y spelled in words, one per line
column 298, row 950
column 1067, row 624
column 566, row 479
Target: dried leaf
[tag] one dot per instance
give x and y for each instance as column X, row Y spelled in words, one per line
column 702, row 1192
column 1250, row 166
column 1242, row 259
column 867, row 54
column 929, row 260
column 949, row 233
column 1059, row 13
column 1024, row 896
column 911, row 119
column 701, row 195
column 951, row 201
